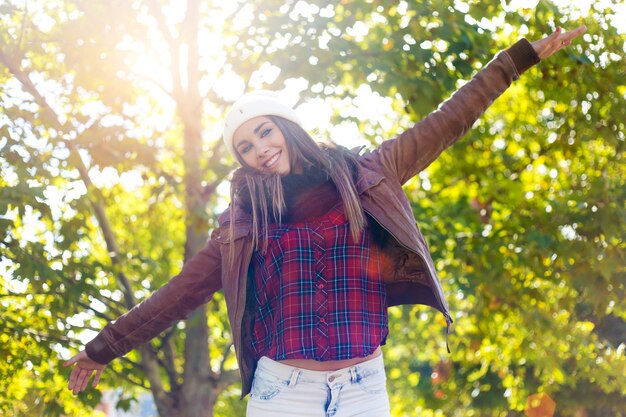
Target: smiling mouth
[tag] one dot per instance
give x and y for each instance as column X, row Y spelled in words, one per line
column 272, row 161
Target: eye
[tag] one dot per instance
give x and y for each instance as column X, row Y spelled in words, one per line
column 266, row 132
column 245, row 149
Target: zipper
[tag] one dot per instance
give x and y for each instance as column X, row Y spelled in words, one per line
column 438, row 296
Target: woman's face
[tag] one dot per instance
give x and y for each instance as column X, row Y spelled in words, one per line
column 261, row 145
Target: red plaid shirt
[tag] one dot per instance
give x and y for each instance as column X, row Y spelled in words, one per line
column 318, row 293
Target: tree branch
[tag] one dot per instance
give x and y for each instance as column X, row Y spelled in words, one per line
column 23, row 28
column 113, row 305
column 209, row 189
column 174, row 48
column 93, row 329
column 150, row 367
column 225, row 355
column 11, row 294
column 128, row 379
column 131, row 362
column 170, row 359
column 154, row 83
column 95, row 312
column 61, row 339
column 225, row 379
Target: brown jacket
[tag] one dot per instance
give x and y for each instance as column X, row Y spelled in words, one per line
column 409, row 272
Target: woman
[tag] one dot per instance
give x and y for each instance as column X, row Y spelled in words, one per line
column 317, row 243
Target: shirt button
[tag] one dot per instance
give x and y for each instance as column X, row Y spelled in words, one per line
column 321, row 285
column 322, row 320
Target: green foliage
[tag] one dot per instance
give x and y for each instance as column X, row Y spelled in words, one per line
column 524, row 216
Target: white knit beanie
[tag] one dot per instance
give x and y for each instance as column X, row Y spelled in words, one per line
column 254, row 104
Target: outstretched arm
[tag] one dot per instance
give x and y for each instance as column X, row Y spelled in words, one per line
column 412, row 151
column 199, row 279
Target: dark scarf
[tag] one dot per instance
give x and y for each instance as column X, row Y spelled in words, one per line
column 309, row 194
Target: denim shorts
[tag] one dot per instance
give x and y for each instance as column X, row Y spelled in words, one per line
column 283, row 390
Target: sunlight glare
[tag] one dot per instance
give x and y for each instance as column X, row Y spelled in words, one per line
column 229, row 85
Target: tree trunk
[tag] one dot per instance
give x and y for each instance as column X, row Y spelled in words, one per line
column 198, row 392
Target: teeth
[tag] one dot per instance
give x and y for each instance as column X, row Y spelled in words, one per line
column 271, row 161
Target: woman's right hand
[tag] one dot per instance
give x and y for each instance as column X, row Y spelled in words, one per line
column 84, row 367
column 556, row 41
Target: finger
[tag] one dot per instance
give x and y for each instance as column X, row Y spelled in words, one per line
column 552, row 43
column 553, row 37
column 73, row 377
column 96, row 379
column 71, row 360
column 568, row 36
column 579, row 30
column 79, row 381
column 83, row 387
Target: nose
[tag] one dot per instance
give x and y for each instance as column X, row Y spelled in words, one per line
column 262, row 149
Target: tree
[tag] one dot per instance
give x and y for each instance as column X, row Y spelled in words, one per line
column 523, row 216
column 80, row 118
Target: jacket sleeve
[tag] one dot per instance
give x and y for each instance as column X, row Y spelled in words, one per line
column 411, row 152
column 199, row 279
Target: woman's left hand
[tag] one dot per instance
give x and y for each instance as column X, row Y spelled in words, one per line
column 81, row 373
column 556, row 41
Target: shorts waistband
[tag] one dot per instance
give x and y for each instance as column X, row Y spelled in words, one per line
column 286, row 372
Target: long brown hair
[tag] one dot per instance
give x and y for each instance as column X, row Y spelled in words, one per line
column 266, row 192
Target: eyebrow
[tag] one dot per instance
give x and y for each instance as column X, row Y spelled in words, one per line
column 256, row 131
